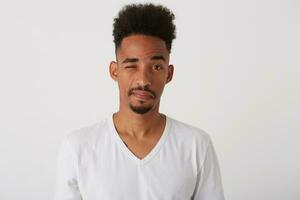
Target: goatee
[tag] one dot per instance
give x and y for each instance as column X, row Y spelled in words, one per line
column 140, row 110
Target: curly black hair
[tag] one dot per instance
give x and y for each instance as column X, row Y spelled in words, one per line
column 146, row 19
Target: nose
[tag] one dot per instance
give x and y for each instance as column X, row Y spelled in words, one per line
column 144, row 77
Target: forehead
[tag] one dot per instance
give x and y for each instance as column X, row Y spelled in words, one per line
column 142, row 47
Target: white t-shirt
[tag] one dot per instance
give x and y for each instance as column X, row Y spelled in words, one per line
column 95, row 164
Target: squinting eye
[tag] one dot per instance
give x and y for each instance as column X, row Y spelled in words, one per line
column 129, row 67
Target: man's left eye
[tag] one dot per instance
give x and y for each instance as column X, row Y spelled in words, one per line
column 157, row 67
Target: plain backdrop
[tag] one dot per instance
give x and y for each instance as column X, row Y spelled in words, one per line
column 237, row 68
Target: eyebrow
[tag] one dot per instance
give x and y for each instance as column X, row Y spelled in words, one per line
column 132, row 60
column 158, row 58
column 129, row 60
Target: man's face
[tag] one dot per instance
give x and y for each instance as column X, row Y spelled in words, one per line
column 142, row 70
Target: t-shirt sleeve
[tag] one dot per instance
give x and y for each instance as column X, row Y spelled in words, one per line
column 66, row 186
column 209, row 183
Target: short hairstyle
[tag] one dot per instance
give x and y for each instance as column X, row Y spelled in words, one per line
column 146, row 19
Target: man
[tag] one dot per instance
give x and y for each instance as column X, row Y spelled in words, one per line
column 139, row 153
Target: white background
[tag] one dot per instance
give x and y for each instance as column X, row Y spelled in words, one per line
column 237, row 68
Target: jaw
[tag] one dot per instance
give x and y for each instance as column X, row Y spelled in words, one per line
column 127, row 102
column 140, row 109
column 140, row 106
column 129, row 105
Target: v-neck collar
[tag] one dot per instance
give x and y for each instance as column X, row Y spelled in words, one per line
column 126, row 150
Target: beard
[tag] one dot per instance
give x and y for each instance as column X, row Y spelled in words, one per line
column 140, row 109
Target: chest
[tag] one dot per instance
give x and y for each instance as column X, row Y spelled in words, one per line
column 116, row 177
column 140, row 149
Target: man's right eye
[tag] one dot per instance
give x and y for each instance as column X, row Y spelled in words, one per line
column 130, row 67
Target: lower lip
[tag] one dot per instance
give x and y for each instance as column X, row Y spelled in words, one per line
column 142, row 97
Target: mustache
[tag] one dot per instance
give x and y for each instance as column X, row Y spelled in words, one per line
column 130, row 92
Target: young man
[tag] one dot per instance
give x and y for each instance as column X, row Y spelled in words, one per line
column 139, row 153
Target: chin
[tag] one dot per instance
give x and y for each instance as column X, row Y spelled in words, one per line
column 140, row 109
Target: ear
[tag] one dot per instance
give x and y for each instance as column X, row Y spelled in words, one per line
column 170, row 73
column 113, row 70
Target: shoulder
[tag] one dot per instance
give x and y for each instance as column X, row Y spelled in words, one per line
column 88, row 136
column 191, row 140
column 188, row 131
column 189, row 136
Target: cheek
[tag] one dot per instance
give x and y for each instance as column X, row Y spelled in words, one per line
column 163, row 78
column 159, row 85
column 124, row 86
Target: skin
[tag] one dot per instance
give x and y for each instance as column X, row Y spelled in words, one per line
column 141, row 70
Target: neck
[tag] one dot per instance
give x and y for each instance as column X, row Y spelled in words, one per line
column 140, row 126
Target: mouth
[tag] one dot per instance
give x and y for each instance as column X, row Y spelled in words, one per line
column 142, row 95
